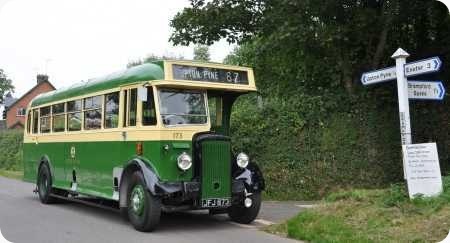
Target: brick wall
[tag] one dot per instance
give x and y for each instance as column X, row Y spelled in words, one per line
column 11, row 116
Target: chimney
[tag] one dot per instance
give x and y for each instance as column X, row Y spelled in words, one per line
column 41, row 78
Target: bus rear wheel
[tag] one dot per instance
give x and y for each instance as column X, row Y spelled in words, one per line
column 245, row 215
column 144, row 209
column 44, row 185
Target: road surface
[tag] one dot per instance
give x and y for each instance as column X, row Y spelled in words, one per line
column 24, row 219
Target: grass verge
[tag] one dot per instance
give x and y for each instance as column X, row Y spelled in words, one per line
column 12, row 174
column 372, row 216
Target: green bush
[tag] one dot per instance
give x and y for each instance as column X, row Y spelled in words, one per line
column 11, row 150
column 311, row 135
column 396, row 195
column 310, row 145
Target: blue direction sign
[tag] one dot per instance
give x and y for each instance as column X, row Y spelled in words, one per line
column 419, row 67
column 378, row 76
column 424, row 66
column 426, row 90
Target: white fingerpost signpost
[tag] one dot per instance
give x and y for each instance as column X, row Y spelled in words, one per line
column 420, row 161
column 402, row 88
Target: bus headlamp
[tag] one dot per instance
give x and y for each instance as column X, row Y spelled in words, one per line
column 242, row 160
column 184, row 161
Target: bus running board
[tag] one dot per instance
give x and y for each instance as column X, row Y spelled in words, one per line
column 91, row 202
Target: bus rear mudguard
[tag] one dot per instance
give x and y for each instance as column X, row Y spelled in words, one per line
column 153, row 183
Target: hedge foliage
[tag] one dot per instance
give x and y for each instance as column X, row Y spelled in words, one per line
column 315, row 127
column 11, row 150
column 307, row 147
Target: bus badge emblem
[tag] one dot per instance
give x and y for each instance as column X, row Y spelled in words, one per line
column 72, row 152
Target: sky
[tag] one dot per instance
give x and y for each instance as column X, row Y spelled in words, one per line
column 73, row 40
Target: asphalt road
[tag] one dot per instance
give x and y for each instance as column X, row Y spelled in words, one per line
column 24, row 219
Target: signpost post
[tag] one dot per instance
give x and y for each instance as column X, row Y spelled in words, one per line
column 402, row 88
column 413, row 154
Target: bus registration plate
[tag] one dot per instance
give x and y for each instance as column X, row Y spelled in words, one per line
column 216, row 202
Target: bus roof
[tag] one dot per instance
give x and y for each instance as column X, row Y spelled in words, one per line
column 170, row 72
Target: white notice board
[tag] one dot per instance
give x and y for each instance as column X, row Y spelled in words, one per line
column 422, row 169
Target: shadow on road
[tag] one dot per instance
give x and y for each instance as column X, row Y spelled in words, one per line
column 199, row 220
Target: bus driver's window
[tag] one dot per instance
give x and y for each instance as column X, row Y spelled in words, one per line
column 148, row 109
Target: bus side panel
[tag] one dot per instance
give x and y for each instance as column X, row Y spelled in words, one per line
column 165, row 161
column 97, row 161
column 56, row 154
column 32, row 154
column 30, row 162
column 94, row 162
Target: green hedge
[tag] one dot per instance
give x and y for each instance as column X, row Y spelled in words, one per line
column 11, row 150
column 308, row 146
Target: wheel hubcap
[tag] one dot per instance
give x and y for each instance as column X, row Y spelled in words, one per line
column 137, row 200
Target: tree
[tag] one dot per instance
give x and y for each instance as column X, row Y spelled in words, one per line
column 152, row 58
column 201, row 53
column 319, row 43
column 5, row 85
column 317, row 122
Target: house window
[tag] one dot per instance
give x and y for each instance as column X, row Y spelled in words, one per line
column 21, row 111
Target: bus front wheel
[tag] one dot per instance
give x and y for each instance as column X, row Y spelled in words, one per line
column 144, row 209
column 245, row 215
column 44, row 184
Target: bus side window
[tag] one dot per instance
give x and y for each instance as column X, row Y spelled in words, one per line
column 35, row 121
column 132, row 108
column 93, row 112
column 148, row 109
column 74, row 115
column 45, row 119
column 58, row 117
column 29, row 122
column 111, row 110
column 125, row 110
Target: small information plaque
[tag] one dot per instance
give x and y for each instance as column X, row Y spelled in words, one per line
column 422, row 169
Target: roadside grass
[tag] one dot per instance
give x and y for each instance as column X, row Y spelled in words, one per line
column 12, row 174
column 385, row 215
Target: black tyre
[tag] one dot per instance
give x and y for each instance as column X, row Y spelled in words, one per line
column 144, row 209
column 44, row 185
column 243, row 215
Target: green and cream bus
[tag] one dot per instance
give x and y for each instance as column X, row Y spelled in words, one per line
column 153, row 138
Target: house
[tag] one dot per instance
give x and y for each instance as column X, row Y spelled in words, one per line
column 15, row 111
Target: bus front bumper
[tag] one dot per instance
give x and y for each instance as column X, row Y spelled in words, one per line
column 191, row 190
